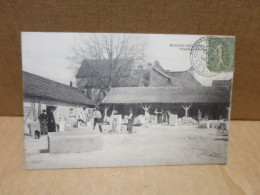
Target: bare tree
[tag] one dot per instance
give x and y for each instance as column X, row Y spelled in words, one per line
column 114, row 53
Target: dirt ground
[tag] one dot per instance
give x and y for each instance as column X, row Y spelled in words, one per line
column 153, row 145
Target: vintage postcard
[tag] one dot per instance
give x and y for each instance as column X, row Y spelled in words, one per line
column 113, row 99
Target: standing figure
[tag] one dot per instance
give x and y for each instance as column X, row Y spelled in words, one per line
column 160, row 116
column 199, row 115
column 168, row 113
column 130, row 122
column 97, row 116
column 51, row 121
column 156, row 115
column 114, row 120
column 43, row 122
column 164, row 116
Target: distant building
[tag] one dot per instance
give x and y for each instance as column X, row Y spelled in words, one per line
column 94, row 75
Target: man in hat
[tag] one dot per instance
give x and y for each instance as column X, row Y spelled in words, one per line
column 43, row 122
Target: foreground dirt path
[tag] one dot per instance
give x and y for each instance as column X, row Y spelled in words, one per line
column 146, row 146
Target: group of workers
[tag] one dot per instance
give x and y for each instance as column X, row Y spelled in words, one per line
column 49, row 124
column 84, row 118
column 158, row 117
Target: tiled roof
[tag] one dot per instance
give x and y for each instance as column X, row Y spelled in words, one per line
column 101, row 68
column 162, row 72
column 136, row 95
column 183, row 79
column 35, row 85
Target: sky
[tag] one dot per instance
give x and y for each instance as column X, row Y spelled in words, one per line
column 46, row 54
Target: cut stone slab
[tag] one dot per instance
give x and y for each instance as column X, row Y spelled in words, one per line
column 204, row 125
column 173, row 120
column 33, row 127
column 85, row 128
column 75, row 141
column 213, row 124
column 139, row 120
column 106, row 128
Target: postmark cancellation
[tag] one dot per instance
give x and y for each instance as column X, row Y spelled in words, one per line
column 211, row 55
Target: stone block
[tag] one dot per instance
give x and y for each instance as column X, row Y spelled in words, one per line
column 106, row 128
column 88, row 129
column 139, row 120
column 204, row 125
column 213, row 124
column 173, row 120
column 75, row 141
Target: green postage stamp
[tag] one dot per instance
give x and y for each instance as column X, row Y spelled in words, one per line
column 211, row 55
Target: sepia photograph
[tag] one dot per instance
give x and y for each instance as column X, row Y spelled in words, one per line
column 117, row 100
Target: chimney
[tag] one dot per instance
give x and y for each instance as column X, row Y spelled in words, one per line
column 71, row 83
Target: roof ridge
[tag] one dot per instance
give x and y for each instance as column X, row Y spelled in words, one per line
column 50, row 80
column 35, row 85
column 204, row 94
column 171, row 87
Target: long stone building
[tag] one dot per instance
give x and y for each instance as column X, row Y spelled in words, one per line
column 41, row 93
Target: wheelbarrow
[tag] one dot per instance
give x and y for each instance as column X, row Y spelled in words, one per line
column 222, row 128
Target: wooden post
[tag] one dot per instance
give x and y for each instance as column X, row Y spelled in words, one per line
column 199, row 115
column 228, row 114
column 105, row 113
column 146, row 113
column 186, row 108
column 113, row 109
column 146, row 108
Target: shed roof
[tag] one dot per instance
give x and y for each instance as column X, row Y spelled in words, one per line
column 134, row 95
column 35, row 85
